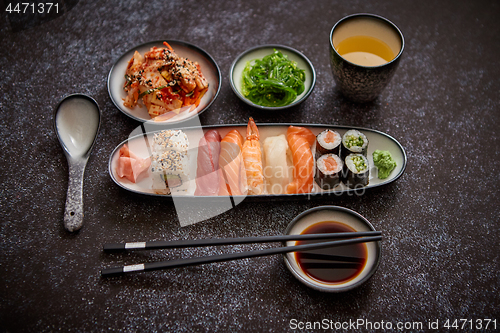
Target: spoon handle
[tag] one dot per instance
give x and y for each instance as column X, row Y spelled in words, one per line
column 73, row 214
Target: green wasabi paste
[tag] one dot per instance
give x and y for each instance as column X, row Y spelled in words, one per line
column 384, row 162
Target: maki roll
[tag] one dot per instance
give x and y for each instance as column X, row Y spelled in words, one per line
column 356, row 171
column 328, row 142
column 169, row 162
column 354, row 142
column 170, row 139
column 328, row 171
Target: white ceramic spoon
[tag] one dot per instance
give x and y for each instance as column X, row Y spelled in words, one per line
column 77, row 121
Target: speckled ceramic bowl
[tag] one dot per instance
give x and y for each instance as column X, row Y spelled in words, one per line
column 338, row 214
column 258, row 52
column 364, row 83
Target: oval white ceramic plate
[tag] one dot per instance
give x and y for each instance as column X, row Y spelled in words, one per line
column 259, row 52
column 139, row 143
column 208, row 66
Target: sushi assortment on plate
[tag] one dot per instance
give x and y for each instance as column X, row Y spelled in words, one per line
column 255, row 160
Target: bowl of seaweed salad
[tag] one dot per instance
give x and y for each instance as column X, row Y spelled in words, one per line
column 272, row 77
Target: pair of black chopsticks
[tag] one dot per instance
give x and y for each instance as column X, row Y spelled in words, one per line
column 352, row 238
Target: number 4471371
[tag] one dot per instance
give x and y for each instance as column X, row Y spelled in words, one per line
column 479, row 324
column 26, row 7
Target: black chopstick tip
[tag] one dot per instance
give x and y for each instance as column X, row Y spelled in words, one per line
column 114, row 247
column 114, row 271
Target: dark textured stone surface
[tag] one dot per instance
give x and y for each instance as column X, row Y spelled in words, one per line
column 440, row 219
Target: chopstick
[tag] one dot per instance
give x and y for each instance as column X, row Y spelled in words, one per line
column 155, row 245
column 114, row 271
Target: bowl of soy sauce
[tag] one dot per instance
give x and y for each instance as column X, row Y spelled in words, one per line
column 332, row 269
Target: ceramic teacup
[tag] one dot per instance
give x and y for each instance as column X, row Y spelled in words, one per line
column 365, row 50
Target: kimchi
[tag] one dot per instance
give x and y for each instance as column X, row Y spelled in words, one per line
column 166, row 83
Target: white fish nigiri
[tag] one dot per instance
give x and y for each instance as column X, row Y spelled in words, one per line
column 276, row 170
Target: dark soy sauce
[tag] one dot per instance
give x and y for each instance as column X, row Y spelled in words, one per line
column 335, row 264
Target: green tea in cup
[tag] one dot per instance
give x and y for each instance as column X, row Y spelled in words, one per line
column 367, row 41
column 365, row 50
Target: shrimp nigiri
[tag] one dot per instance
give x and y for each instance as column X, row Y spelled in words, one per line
column 252, row 158
column 233, row 181
column 207, row 174
column 300, row 140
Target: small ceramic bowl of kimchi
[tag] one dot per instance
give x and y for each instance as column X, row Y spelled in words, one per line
column 164, row 82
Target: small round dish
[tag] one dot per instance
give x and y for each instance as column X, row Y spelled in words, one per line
column 258, row 52
column 208, row 66
column 347, row 217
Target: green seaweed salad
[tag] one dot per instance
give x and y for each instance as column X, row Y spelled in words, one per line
column 273, row 80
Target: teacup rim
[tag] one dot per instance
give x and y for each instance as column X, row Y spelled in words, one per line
column 332, row 47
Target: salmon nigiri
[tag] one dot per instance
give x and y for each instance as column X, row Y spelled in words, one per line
column 207, row 171
column 252, row 158
column 300, row 140
column 233, row 181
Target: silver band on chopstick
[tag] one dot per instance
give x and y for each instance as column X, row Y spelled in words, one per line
column 133, row 268
column 137, row 245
